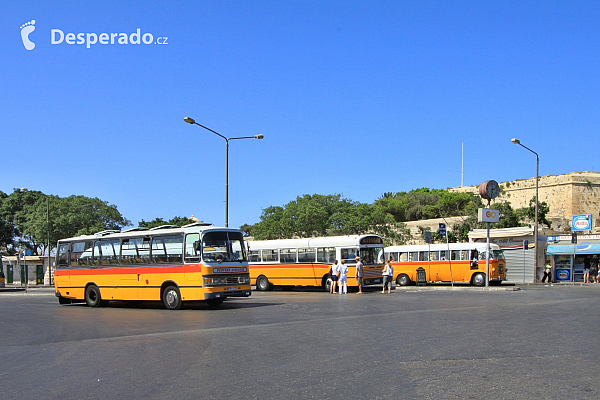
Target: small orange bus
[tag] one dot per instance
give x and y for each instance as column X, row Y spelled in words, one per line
column 456, row 262
column 167, row 263
column 306, row 262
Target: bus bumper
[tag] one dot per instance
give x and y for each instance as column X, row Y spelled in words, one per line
column 223, row 295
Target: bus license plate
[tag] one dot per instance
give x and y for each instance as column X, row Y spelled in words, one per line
column 376, row 281
column 232, row 288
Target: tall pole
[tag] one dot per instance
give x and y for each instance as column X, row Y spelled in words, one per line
column 226, row 183
column 535, row 229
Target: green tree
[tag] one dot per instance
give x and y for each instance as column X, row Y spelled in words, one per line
column 325, row 215
column 68, row 217
column 179, row 221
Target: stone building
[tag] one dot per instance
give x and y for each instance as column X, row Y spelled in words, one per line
column 566, row 195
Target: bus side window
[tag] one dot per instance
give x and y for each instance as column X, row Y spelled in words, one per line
column 167, row 249
column 464, row 255
column 403, row 257
column 434, row 255
column 326, row 254
column 81, row 253
column 287, row 255
column 349, row 255
column 455, row 255
column 191, row 252
column 254, row 255
column 270, row 255
column 306, row 255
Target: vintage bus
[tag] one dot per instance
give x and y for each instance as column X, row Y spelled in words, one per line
column 167, row 263
column 447, row 262
column 306, row 262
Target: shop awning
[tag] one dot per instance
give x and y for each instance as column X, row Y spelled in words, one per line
column 580, row 248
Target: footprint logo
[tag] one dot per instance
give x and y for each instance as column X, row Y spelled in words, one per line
column 26, row 29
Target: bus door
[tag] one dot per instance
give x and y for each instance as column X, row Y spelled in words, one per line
column 135, row 254
column 193, row 269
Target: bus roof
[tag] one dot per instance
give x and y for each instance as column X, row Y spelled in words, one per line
column 329, row 241
column 440, row 247
column 159, row 231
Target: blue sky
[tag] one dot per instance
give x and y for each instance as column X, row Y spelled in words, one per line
column 352, row 97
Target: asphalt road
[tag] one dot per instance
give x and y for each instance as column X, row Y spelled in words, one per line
column 539, row 342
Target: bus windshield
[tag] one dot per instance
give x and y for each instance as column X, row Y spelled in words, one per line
column 372, row 255
column 223, row 246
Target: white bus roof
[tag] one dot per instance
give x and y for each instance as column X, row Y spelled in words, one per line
column 441, row 247
column 137, row 232
column 329, row 241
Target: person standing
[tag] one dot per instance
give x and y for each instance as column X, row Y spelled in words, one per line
column 547, row 272
column 387, row 272
column 334, row 272
column 358, row 274
column 343, row 281
column 586, row 269
column 594, row 269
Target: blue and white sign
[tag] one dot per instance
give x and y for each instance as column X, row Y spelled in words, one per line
column 582, row 222
column 442, row 229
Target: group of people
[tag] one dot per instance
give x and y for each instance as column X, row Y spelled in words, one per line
column 590, row 270
column 339, row 276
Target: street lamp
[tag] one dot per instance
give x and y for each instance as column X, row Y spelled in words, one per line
column 537, row 176
column 192, row 121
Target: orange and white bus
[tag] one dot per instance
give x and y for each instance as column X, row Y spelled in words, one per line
column 456, row 262
column 306, row 262
column 167, row 263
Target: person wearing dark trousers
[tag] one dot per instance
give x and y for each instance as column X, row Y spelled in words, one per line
column 547, row 272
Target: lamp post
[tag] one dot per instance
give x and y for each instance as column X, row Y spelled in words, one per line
column 192, row 121
column 537, row 177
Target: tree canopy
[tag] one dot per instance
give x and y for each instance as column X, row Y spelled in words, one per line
column 179, row 221
column 325, row 215
column 25, row 216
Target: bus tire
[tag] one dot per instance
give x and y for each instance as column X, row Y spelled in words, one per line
column 326, row 283
column 214, row 302
column 172, row 298
column 93, row 297
column 478, row 279
column 263, row 284
column 403, row 280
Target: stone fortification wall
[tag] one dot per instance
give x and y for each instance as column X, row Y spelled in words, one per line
column 566, row 195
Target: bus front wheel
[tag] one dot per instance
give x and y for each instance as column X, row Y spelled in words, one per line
column 214, row 302
column 403, row 280
column 326, row 283
column 263, row 284
column 478, row 280
column 93, row 297
column 172, row 298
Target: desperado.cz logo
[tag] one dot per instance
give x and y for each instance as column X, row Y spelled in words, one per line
column 57, row 36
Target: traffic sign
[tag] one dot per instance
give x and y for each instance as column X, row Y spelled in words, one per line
column 442, row 229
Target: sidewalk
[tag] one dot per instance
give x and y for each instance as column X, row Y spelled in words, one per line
column 30, row 289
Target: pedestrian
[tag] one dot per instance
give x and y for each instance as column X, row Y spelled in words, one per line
column 358, row 274
column 586, row 269
column 387, row 272
column 343, row 281
column 547, row 272
column 594, row 269
column 334, row 273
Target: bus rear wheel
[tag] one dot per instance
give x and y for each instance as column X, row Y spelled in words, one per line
column 478, row 280
column 93, row 297
column 263, row 284
column 403, row 280
column 172, row 298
